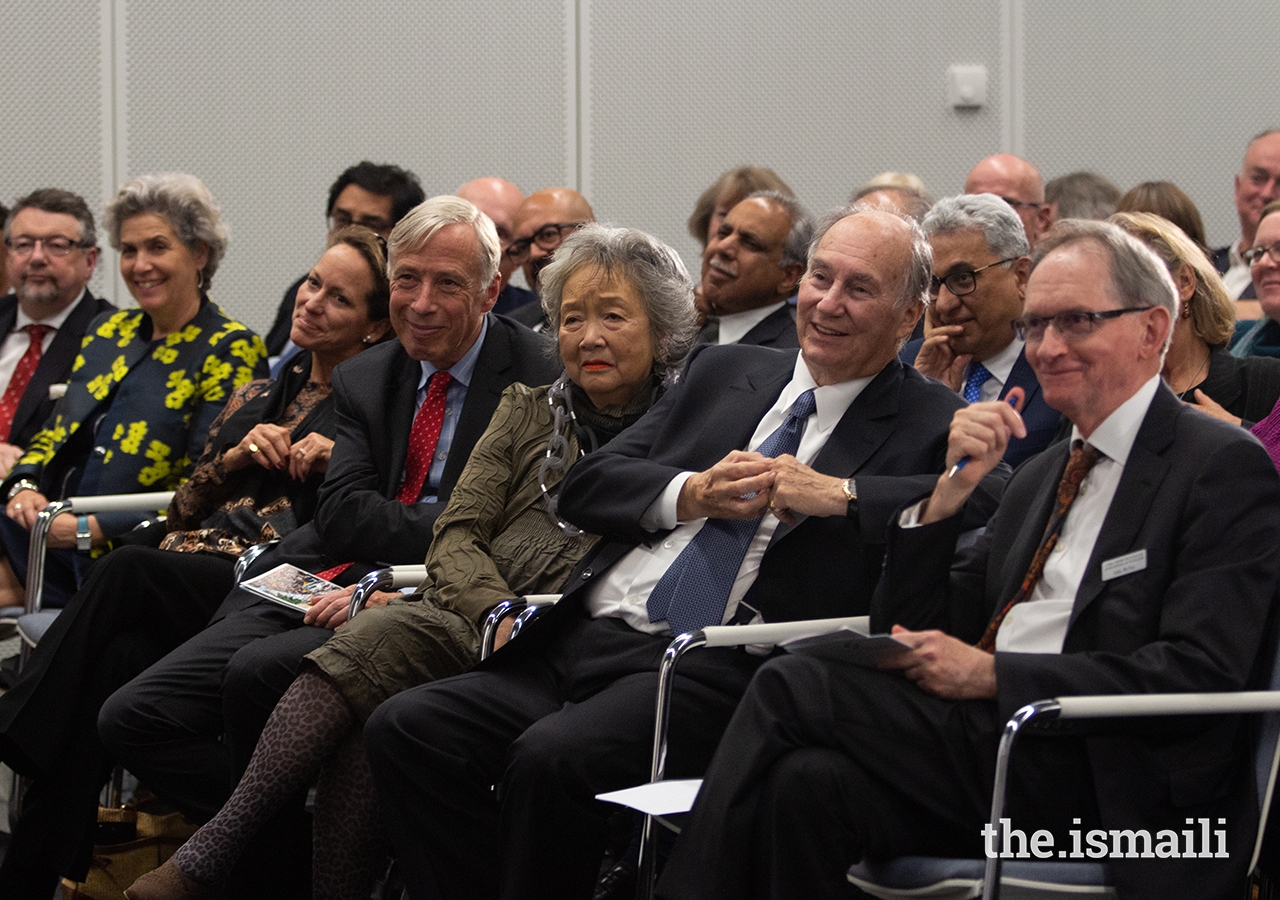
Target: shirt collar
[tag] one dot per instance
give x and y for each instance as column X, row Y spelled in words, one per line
column 734, row 326
column 1115, row 436
column 832, row 399
column 463, row 368
column 1000, row 365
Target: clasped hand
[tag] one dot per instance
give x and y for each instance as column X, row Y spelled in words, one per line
column 330, row 610
column 944, row 665
column 270, row 446
column 744, row 485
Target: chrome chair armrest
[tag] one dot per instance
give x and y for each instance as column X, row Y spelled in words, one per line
column 246, row 559
column 523, row 608
column 715, row 636
column 388, row 579
column 87, row 505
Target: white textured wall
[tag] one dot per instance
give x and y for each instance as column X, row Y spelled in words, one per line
column 641, row 105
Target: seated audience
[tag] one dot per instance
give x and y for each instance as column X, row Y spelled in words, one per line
column 750, row 268
column 842, row 432
column 827, row 761
column 1080, row 195
column 408, row 413
column 1018, row 183
column 257, row 481
column 980, row 267
column 368, row 194
column 1198, row 367
column 499, row 199
column 1262, row 337
column 624, row 308
column 145, row 388
column 725, row 193
column 51, row 252
column 1256, row 185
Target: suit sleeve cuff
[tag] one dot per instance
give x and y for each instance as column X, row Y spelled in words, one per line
column 661, row 514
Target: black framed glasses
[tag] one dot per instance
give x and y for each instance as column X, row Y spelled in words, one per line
column 961, row 283
column 57, row 245
column 339, row 219
column 1254, row 255
column 1072, row 325
column 548, row 237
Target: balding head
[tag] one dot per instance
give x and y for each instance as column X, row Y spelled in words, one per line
column 1018, row 183
column 498, row 199
column 558, row 206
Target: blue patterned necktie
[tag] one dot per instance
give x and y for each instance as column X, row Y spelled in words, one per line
column 692, row 593
column 978, row 376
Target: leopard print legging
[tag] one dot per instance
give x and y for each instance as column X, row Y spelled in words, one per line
column 311, row 732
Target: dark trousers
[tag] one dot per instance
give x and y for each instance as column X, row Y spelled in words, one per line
column 552, row 729
column 825, row 762
column 136, row 605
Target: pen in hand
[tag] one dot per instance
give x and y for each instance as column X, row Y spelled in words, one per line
column 1014, row 398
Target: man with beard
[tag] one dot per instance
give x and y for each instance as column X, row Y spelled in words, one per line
column 980, row 268
column 52, row 248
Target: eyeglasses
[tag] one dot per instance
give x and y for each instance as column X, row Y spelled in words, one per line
column 962, row 283
column 1072, row 326
column 548, row 237
column 1254, row 255
column 339, row 219
column 53, row 246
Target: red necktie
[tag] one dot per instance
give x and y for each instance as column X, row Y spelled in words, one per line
column 424, row 436
column 1082, row 458
column 21, row 377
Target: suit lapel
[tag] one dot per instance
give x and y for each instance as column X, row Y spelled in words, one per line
column 1022, row 376
column 406, row 372
column 1143, row 472
column 483, row 394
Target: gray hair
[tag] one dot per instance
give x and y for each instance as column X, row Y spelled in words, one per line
column 1000, row 226
column 422, row 222
column 1082, row 195
column 55, row 200
column 915, row 280
column 185, row 202
column 801, row 232
column 648, row 265
column 1138, row 276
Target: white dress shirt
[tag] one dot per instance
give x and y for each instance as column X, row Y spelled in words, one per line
column 1238, row 276
column 624, row 591
column 16, row 342
column 734, row 327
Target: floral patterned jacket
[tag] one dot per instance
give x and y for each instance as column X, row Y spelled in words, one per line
column 136, row 410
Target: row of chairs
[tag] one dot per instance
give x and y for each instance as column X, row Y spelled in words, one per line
column 896, row 879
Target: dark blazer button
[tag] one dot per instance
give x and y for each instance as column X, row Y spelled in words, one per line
column 587, row 573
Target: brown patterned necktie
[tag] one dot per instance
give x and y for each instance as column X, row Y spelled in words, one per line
column 1081, row 461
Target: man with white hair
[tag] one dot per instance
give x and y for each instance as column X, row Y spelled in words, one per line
column 409, row 412
column 1091, row 578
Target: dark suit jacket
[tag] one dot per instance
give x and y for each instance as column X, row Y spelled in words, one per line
column 1222, row 262
column 55, row 364
column 1042, row 420
column 511, row 298
column 375, row 397
column 777, row 330
column 892, row 440
column 1202, row 499
column 1247, row 387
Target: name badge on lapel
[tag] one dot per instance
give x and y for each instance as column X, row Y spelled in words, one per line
column 1124, row 565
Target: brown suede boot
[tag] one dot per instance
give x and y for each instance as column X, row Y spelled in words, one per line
column 168, row 883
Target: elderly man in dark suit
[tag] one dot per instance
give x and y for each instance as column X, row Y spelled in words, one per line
column 751, row 266
column 1139, row 557
column 838, row 435
column 52, row 249
column 408, row 414
column 980, row 267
